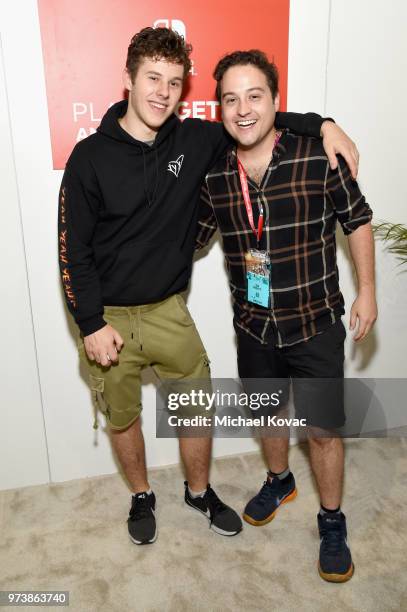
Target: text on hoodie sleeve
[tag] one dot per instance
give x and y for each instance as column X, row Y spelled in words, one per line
column 77, row 218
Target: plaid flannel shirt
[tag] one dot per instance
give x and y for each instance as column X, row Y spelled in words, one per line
column 302, row 200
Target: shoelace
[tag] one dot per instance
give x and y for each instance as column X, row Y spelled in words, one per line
column 265, row 493
column 214, row 504
column 332, row 538
column 140, row 508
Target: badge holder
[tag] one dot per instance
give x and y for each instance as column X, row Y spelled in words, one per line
column 258, row 276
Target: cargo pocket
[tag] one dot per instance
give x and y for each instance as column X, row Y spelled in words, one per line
column 206, row 385
column 97, row 387
column 207, row 362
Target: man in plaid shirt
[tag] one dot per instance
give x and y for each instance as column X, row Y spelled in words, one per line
column 276, row 201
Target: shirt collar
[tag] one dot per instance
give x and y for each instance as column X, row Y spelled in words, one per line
column 278, row 150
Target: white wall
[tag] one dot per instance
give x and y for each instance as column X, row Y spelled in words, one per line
column 366, row 93
column 22, row 433
column 326, row 39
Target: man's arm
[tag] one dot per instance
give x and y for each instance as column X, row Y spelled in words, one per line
column 77, row 218
column 207, row 223
column 364, row 308
column 354, row 215
column 334, row 139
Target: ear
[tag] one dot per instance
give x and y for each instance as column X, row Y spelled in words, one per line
column 127, row 80
column 277, row 102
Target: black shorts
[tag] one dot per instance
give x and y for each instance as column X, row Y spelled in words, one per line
column 315, row 367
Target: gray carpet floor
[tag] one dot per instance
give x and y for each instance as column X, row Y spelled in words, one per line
column 73, row 536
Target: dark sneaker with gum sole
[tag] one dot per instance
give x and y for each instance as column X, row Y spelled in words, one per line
column 335, row 560
column 262, row 508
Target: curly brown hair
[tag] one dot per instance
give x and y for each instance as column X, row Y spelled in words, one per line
column 254, row 57
column 158, row 43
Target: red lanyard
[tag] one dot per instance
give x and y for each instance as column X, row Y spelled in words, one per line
column 247, row 201
column 248, row 204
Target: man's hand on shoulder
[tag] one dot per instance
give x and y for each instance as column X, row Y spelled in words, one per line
column 104, row 345
column 336, row 142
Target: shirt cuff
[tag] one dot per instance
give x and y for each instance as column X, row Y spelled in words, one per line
column 92, row 325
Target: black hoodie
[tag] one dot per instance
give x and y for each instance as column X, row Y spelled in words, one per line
column 128, row 211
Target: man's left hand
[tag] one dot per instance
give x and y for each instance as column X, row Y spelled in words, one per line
column 335, row 142
column 364, row 309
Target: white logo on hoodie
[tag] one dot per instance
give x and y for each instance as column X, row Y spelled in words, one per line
column 175, row 166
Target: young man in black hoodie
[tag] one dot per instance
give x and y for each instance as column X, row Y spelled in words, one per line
column 128, row 213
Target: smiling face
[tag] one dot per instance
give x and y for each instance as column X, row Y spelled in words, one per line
column 248, row 108
column 153, row 95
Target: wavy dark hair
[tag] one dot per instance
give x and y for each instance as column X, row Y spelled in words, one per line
column 158, row 43
column 254, row 57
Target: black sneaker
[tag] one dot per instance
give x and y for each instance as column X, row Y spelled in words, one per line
column 262, row 508
column 141, row 521
column 335, row 561
column 222, row 519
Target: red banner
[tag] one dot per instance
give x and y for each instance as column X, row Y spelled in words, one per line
column 85, row 47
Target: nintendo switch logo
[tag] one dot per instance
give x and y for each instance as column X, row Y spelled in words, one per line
column 173, row 24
